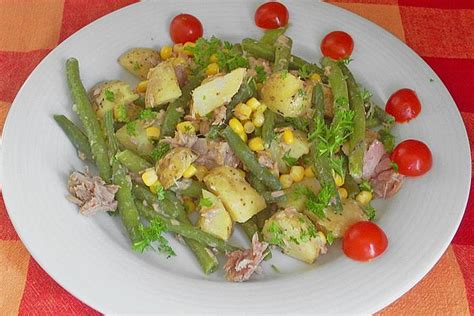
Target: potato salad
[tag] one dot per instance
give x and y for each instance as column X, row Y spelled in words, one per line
column 216, row 135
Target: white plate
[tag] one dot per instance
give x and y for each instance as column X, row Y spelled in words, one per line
column 90, row 257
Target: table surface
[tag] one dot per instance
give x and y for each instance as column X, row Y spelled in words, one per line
column 440, row 31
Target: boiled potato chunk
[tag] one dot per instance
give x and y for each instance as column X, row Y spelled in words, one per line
column 217, row 92
column 297, row 149
column 139, row 61
column 163, row 86
column 171, row 167
column 296, row 199
column 286, row 94
column 108, row 95
column 338, row 223
column 133, row 136
column 295, row 234
column 239, row 198
column 214, row 219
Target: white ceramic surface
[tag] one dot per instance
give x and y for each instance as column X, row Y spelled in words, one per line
column 90, row 257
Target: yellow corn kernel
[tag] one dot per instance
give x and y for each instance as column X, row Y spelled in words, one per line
column 178, row 61
column 242, row 111
column 141, row 86
column 189, row 205
column 213, row 58
column 315, row 78
column 258, row 119
column 236, row 126
column 249, row 127
column 286, row 181
column 253, row 103
column 153, row 132
column 308, row 172
column 212, row 69
column 297, row 173
column 243, row 136
column 342, row 193
column 364, row 197
column 186, row 127
column 261, row 108
column 190, row 172
column 178, row 48
column 201, row 172
column 322, row 236
column 149, row 177
column 186, row 46
column 288, row 136
column 256, row 144
column 338, row 179
column 166, row 52
column 155, row 187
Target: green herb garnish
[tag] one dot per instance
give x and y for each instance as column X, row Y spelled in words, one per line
column 290, row 161
column 329, row 238
column 153, row 234
column 261, row 74
column 205, row 202
column 132, row 128
column 159, row 151
column 109, row 95
column 304, row 72
column 147, row 114
column 370, row 212
column 122, row 113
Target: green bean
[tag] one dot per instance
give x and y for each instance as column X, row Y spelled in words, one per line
column 268, row 133
column 322, row 165
column 246, row 91
column 262, row 189
column 267, row 52
column 110, row 133
column 248, row 159
column 75, row 135
column 126, row 205
column 351, row 186
column 269, row 198
column 282, row 53
column 379, row 118
column 176, row 109
column 337, row 83
column 132, row 161
column 87, row 115
column 171, row 206
column 262, row 216
column 142, row 193
column 357, row 138
column 256, row 183
column 186, row 230
column 270, row 36
column 194, row 189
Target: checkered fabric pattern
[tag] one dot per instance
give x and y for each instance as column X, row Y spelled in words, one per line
column 441, row 31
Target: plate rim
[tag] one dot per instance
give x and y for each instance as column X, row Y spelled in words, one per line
column 407, row 285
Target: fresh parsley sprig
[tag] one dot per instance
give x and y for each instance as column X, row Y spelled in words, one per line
column 160, row 150
column 153, row 234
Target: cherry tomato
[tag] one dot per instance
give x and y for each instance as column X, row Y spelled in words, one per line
column 271, row 15
column 412, row 157
column 185, row 28
column 403, row 105
column 364, row 241
column 337, row 45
